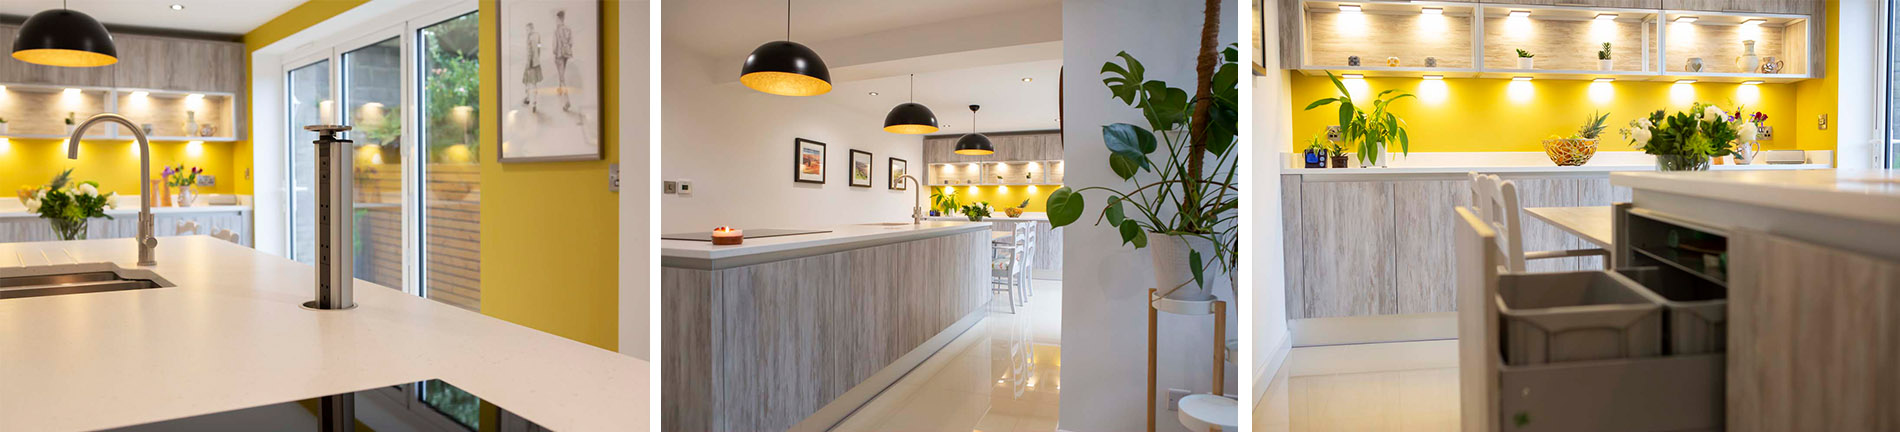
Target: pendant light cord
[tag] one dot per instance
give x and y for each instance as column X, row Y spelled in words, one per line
column 788, row 20
column 913, row 87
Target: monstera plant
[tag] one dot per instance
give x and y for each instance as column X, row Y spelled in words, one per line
column 1180, row 199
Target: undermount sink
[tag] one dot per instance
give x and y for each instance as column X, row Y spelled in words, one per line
column 74, row 279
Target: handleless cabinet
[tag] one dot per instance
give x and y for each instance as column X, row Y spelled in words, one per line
column 145, row 62
column 1627, row 4
column 1032, row 146
column 1760, row 6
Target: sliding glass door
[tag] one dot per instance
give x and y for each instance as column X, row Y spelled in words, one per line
column 372, row 100
column 450, row 95
column 309, row 99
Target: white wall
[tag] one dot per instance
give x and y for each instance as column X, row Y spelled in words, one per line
column 1104, row 308
column 735, row 144
column 1858, row 143
column 1270, row 135
column 636, row 182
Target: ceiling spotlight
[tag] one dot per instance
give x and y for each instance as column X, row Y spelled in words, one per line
column 1432, row 11
column 1751, row 82
column 1349, row 8
column 1028, row 79
column 1685, row 81
column 1606, row 17
column 178, row 6
column 1434, row 77
column 1520, row 78
column 1519, row 13
column 1603, row 80
column 873, row 93
column 1684, row 19
column 1753, row 21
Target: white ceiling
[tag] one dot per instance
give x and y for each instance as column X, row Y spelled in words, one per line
column 728, row 26
column 234, row 17
column 1009, row 104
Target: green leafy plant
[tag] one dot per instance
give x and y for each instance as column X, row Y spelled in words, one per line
column 1592, row 126
column 1316, row 144
column 1703, row 132
column 178, row 176
column 1603, row 54
column 944, row 202
column 67, row 205
column 70, row 117
column 3, row 120
column 1371, row 132
column 1521, row 53
column 1181, row 194
column 977, row 211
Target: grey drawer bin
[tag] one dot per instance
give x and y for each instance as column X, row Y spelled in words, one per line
column 1697, row 310
column 1576, row 316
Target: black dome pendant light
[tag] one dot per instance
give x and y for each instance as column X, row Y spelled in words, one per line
column 786, row 68
column 974, row 144
column 911, row 118
column 64, row 37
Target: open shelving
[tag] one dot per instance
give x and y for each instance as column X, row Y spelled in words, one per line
column 1480, row 40
column 37, row 111
column 1013, row 173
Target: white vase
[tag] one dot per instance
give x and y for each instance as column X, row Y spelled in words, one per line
column 3, row 128
column 1524, row 63
column 1170, row 256
column 1606, row 65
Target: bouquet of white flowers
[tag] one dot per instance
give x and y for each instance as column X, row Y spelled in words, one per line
column 67, row 205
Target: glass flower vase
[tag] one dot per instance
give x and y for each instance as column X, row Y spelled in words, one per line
column 1681, row 163
column 69, row 229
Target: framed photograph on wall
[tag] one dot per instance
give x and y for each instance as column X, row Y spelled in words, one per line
column 808, row 161
column 550, row 80
column 861, row 168
column 899, row 168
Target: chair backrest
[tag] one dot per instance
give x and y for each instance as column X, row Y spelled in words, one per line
column 1477, row 266
column 226, row 235
column 187, row 228
column 1496, row 202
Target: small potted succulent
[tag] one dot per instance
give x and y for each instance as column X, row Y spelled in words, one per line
column 1603, row 58
column 71, row 122
column 1524, row 59
column 3, row 125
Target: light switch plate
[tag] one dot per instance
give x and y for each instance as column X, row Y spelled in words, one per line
column 686, row 187
column 613, row 177
column 669, row 187
column 1174, row 398
column 1821, row 122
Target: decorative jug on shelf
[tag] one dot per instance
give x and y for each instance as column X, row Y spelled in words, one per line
column 1770, row 65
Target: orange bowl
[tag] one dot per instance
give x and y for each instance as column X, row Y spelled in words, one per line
column 1570, row 152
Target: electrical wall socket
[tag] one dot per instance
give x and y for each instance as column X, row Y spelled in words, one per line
column 1332, row 133
column 1765, row 133
column 207, row 180
column 613, row 177
column 1174, row 398
column 686, row 187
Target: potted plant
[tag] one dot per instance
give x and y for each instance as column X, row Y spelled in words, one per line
column 1579, row 147
column 1524, row 59
column 1684, row 141
column 942, row 203
column 3, row 125
column 1338, row 152
column 70, row 122
column 68, row 206
column 1183, row 208
column 1316, row 152
column 977, row 211
column 1603, row 58
column 1372, row 133
column 185, row 180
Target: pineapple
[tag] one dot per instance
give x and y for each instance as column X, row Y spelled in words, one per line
column 1592, row 126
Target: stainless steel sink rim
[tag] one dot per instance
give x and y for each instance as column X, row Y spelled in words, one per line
column 67, row 279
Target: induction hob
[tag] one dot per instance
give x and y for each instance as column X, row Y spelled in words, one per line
column 706, row 236
column 431, row 406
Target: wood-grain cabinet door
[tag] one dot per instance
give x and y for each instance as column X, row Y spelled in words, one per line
column 1423, row 218
column 1632, row 4
column 1348, row 240
column 1797, row 7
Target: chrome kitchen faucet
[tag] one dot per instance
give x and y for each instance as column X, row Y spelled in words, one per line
column 335, row 213
column 147, row 242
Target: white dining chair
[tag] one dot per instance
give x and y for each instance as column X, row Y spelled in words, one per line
column 1006, row 268
column 187, row 228
column 226, row 235
column 1497, row 203
column 1032, row 246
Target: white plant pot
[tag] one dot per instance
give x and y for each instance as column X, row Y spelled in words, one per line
column 3, row 128
column 1524, row 63
column 1606, row 65
column 1170, row 256
column 69, row 129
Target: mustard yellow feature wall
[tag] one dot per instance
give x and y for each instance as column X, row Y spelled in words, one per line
column 1819, row 97
column 1501, row 115
column 112, row 163
column 1001, row 197
column 550, row 231
column 297, row 19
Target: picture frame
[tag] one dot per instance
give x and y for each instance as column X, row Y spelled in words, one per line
column 860, row 171
column 550, row 81
column 898, row 168
column 808, row 161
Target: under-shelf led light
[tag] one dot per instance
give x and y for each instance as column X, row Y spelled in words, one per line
column 1520, row 78
column 1350, row 8
column 1519, row 13
column 1751, row 82
column 1432, row 11
column 1754, row 21
column 1606, row 17
column 1603, row 80
column 1352, row 76
column 1434, row 77
column 139, row 94
column 197, row 96
column 1685, row 81
column 1684, row 19
column 70, row 92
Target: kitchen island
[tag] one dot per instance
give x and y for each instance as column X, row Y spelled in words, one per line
column 1048, row 258
column 231, row 335
column 795, row 332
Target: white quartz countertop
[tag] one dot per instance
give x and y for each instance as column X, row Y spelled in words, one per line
column 842, row 236
column 1586, row 168
column 1864, row 195
column 1535, row 163
column 999, row 216
column 231, row 335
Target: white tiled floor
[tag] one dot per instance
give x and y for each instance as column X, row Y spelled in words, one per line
column 1402, row 386
column 1003, row 375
